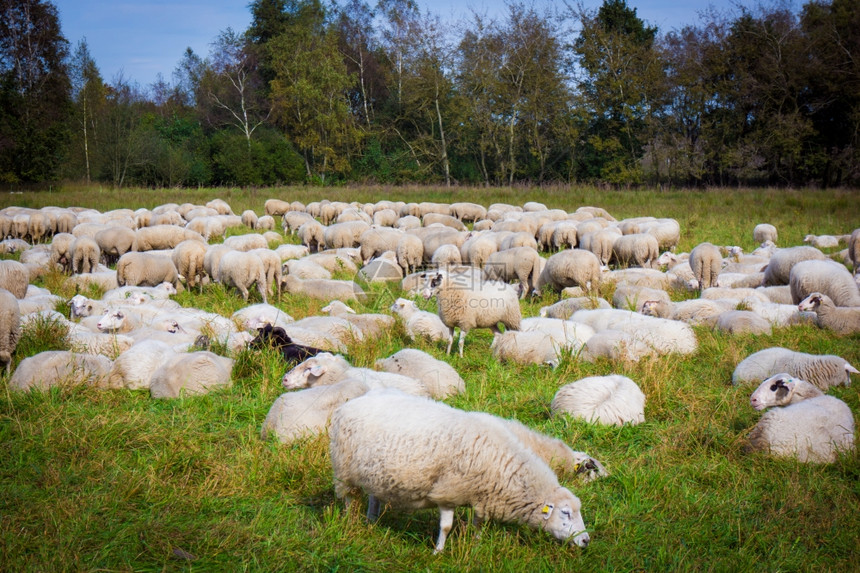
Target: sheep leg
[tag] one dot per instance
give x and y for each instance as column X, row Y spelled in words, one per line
column 451, row 341
column 446, row 521
column 372, row 508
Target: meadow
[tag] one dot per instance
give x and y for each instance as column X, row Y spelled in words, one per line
column 95, row 480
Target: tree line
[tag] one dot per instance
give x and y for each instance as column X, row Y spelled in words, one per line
column 353, row 92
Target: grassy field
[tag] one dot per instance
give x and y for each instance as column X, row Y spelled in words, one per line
column 116, row 481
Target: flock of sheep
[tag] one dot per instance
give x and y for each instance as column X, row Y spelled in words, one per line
column 431, row 455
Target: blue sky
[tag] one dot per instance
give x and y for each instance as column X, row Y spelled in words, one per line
column 143, row 38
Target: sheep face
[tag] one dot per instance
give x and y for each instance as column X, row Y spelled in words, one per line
column 402, row 305
column 112, row 320
column 811, row 303
column 303, row 375
column 563, row 520
column 80, row 306
column 775, row 391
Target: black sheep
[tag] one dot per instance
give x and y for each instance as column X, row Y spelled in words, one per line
column 276, row 337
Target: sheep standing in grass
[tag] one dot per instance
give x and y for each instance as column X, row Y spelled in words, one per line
column 706, row 262
column 85, row 254
column 409, row 251
column 188, row 257
column 241, row 271
column 61, row 255
column 572, row 267
column 823, row 370
column 433, row 455
column 840, row 319
column 778, row 270
column 854, row 250
column 312, row 235
column 802, row 423
column 145, row 269
column 114, row 242
column 481, row 304
column 611, row 400
column 636, row 250
column 420, row 323
column 765, row 232
column 522, row 264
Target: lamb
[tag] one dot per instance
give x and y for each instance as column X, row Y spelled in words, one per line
column 10, row 327
column 370, row 324
column 240, row 271
column 663, row 335
column 14, row 277
column 610, row 400
column 842, row 320
column 765, row 232
column 503, row 479
column 636, row 250
column 188, row 257
column 566, row 307
column 133, row 369
column 523, row 264
column 191, row 373
column 827, row 277
column 85, row 255
column 323, row 289
column 706, row 261
column 481, row 305
column 146, row 269
column 778, row 270
column 59, row 368
column 114, row 242
column 420, row 323
column 160, row 237
column 327, row 368
column 803, row 423
column 276, row 337
column 822, row 370
column 572, row 267
column 440, row 379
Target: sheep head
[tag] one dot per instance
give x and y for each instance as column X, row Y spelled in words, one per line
column 775, row 391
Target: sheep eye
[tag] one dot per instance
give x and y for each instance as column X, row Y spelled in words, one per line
column 774, row 387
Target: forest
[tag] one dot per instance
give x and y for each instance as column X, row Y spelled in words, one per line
column 350, row 92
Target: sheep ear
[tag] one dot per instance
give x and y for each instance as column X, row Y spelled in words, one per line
column 317, row 370
column 547, row 510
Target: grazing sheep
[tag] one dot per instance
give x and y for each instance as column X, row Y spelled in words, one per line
column 840, row 319
column 212, row 260
column 133, row 369
column 160, row 237
column 188, row 257
column 312, row 235
column 14, row 277
column 742, row 322
column 420, row 323
column 275, row 207
column 10, row 327
column 60, row 368
column 778, row 270
column 327, row 368
column 446, row 255
column 823, row 370
column 145, row 269
column 440, row 379
column 345, row 234
column 666, row 231
column 241, row 270
column 446, row 220
column 477, row 249
column 522, row 264
column 289, row 252
column 385, row 218
column 85, row 255
column 191, row 373
column 432, row 454
column 802, row 423
column 572, row 267
column 114, row 242
column 465, row 211
column 827, row 277
column 61, row 251
column 765, row 232
column 481, row 304
column 611, row 400
column 409, row 251
column 706, row 262
column 272, row 266
column 249, row 218
column 636, row 250
column 323, row 289
column 663, row 335
column 265, row 223
column 601, row 243
column 370, row 324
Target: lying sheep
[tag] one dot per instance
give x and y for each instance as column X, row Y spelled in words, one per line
column 440, row 379
column 420, row 323
column 802, row 423
column 533, row 347
column 610, row 400
column 573, row 267
column 145, row 269
column 854, row 250
column 778, row 270
column 565, row 308
column 842, row 320
column 14, row 277
column 742, row 322
column 663, row 335
column 257, row 316
column 323, row 289
column 327, row 368
column 481, row 304
column 706, row 262
column 133, row 369
column 241, row 270
column 822, row 370
column 632, row 297
column 85, row 255
column 370, row 324
column 827, row 277
column 371, row 450
column 191, row 373
column 615, row 345
column 778, row 314
column 52, row 368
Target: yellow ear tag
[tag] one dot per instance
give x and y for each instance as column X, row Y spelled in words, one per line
column 545, row 509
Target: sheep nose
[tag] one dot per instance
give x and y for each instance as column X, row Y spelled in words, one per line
column 583, row 540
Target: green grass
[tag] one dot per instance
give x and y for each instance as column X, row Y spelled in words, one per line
column 116, row 481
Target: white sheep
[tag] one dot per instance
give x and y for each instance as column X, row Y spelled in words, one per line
column 823, row 370
column 145, row 269
column 663, row 335
column 854, row 250
column 614, row 345
column 188, row 259
column 249, row 218
column 636, row 250
column 742, row 322
column 323, row 289
column 246, row 242
column 288, row 252
column 10, row 327
column 439, row 377
column 533, row 347
column 778, row 314
column 272, row 267
column 634, row 297
column 765, row 232
column 327, row 368
column 370, row 324
column 843, row 320
column 566, row 334
column 60, row 251
column 114, row 242
column 827, row 277
column 610, row 400
column 52, row 368
column 572, row 267
column 240, row 270
column 802, row 423
column 84, row 340
column 133, row 369
column 159, row 237
column 421, row 323
column 778, row 270
column 85, row 254
column 190, row 374
column 409, row 251
column 312, row 235
column 706, row 262
column 371, row 450
column 477, row 304
column 566, row 307
column 265, row 223
column 522, row 264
